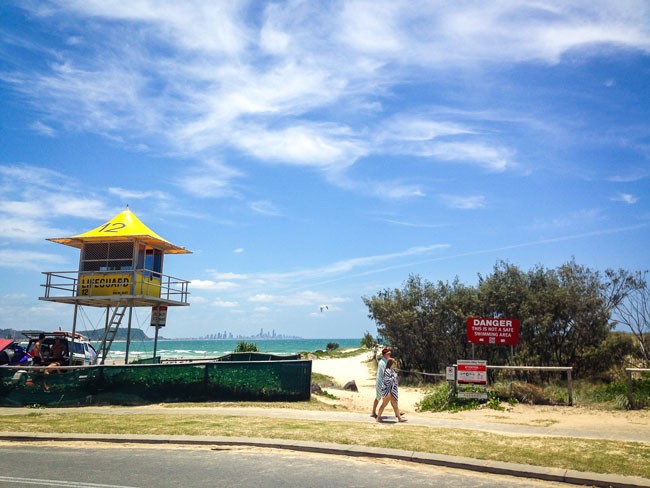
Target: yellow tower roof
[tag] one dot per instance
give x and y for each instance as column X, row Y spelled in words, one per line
column 125, row 226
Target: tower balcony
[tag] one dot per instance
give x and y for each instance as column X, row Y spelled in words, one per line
column 135, row 288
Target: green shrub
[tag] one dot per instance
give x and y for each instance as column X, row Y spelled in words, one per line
column 332, row 345
column 244, row 346
column 368, row 341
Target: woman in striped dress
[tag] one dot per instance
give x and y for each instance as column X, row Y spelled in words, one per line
column 389, row 391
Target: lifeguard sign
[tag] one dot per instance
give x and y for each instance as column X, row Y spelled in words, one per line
column 501, row 332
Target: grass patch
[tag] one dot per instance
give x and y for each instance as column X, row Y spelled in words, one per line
column 606, row 396
column 599, row 456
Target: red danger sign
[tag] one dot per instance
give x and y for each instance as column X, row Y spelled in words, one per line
column 501, row 332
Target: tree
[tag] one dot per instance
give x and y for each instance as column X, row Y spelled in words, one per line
column 563, row 313
column 424, row 322
column 565, row 316
column 368, row 341
column 633, row 311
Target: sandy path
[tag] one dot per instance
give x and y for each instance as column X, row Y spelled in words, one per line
column 361, row 370
column 555, row 419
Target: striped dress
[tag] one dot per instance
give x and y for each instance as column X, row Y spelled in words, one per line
column 390, row 383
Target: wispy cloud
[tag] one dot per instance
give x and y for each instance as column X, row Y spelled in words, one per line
column 299, row 299
column 28, row 260
column 296, row 288
column 404, row 223
column 464, row 202
column 214, row 285
column 127, row 195
column 265, row 208
column 44, row 129
column 32, row 199
column 190, row 88
column 578, row 219
column 625, row 197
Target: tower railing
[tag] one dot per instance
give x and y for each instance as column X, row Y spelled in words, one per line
column 114, row 285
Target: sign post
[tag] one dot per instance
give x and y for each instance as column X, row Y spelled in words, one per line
column 494, row 331
column 158, row 320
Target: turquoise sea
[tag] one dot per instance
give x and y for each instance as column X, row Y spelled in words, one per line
column 200, row 348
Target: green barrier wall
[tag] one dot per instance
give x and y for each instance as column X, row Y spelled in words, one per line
column 270, row 380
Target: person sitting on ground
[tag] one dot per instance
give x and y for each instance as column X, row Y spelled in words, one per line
column 389, row 391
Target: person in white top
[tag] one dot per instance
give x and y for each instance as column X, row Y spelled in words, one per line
column 381, row 367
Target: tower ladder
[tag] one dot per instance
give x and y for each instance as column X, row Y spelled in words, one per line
column 110, row 332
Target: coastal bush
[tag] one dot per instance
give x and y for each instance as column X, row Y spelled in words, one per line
column 567, row 317
column 441, row 398
column 368, row 341
column 332, row 345
column 244, row 346
column 614, row 394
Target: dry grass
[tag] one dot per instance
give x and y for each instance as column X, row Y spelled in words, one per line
column 600, row 456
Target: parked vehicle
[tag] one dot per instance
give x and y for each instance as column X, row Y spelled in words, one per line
column 56, row 347
column 13, row 354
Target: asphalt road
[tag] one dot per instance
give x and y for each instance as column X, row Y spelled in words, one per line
column 24, row 466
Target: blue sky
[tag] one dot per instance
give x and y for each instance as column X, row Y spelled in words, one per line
column 312, row 153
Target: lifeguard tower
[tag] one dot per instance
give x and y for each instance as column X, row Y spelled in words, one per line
column 120, row 267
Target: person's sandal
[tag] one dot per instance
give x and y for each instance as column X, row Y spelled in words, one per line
column 401, row 419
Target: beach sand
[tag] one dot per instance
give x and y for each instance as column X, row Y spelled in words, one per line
column 360, row 369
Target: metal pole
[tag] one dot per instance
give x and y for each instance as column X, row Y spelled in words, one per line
column 569, row 387
column 102, row 350
column 512, row 371
column 155, row 343
column 629, row 388
column 74, row 329
column 128, row 336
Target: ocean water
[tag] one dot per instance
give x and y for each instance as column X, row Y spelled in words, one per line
column 200, row 348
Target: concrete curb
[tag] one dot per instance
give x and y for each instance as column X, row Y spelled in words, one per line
column 494, row 467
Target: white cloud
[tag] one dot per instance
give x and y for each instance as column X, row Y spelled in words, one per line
column 349, row 265
column 210, row 179
column 317, row 146
column 625, row 197
column 576, row 219
column 224, row 303
column 270, row 80
column 127, row 195
column 44, row 129
column 464, row 202
column 299, row 299
column 28, row 260
column 227, row 276
column 265, row 208
column 214, row 285
column 491, row 157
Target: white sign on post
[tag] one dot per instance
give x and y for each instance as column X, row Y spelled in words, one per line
column 450, row 373
column 472, row 379
column 158, row 316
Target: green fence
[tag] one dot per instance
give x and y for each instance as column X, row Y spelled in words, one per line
column 136, row 384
